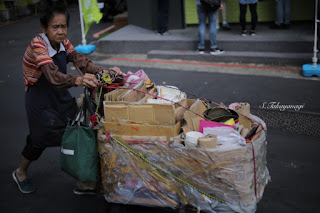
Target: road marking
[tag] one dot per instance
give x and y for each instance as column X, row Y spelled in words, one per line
column 96, row 35
column 204, row 64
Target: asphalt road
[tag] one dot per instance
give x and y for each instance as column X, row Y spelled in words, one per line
column 292, row 156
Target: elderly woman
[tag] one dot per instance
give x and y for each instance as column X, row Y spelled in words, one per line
column 47, row 100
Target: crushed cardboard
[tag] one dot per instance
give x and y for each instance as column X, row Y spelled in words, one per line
column 133, row 95
column 191, row 118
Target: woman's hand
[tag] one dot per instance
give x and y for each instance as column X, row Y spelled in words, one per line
column 88, row 80
column 116, row 70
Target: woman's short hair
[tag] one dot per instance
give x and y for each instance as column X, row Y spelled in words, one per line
column 50, row 10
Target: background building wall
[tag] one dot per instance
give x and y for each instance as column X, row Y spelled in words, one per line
column 301, row 10
column 144, row 13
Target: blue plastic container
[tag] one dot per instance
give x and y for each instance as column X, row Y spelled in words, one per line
column 308, row 70
column 85, row 49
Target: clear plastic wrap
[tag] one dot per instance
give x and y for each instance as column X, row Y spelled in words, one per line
column 162, row 174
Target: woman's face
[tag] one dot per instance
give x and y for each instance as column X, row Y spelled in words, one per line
column 57, row 30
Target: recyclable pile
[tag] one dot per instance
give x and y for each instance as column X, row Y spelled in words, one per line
column 158, row 148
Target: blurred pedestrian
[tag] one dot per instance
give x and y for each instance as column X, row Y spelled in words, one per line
column 223, row 9
column 203, row 14
column 254, row 17
column 283, row 12
column 47, row 99
column 163, row 17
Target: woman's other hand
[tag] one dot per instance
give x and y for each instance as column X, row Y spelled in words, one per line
column 116, row 70
column 88, row 80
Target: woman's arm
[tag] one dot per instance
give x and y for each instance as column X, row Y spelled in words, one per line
column 84, row 64
column 61, row 80
column 87, row 66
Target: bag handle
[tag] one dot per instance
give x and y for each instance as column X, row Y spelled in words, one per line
column 79, row 116
column 88, row 102
column 86, row 106
column 77, row 68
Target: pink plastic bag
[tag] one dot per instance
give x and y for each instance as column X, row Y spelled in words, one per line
column 131, row 79
column 211, row 124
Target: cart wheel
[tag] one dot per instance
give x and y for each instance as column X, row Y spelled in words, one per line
column 182, row 211
column 116, row 208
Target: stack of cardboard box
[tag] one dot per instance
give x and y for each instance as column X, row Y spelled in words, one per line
column 140, row 166
column 129, row 114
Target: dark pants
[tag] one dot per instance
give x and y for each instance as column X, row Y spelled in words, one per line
column 254, row 16
column 30, row 152
column 163, row 15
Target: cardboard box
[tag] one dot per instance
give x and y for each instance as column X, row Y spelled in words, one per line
column 113, row 95
column 132, row 118
column 159, row 114
column 133, row 95
column 142, row 129
column 244, row 113
column 125, row 118
column 118, row 108
column 247, row 123
column 127, row 94
column 192, row 120
column 143, row 119
column 119, row 111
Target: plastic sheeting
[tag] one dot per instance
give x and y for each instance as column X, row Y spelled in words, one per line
column 162, row 174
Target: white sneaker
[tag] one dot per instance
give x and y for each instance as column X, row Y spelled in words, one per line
column 164, row 33
column 252, row 32
column 200, row 51
column 216, row 51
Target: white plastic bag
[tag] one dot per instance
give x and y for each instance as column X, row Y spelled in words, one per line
column 169, row 93
column 225, row 136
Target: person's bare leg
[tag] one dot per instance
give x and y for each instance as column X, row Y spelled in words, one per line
column 23, row 168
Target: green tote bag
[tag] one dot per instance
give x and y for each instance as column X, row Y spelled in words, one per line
column 79, row 155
